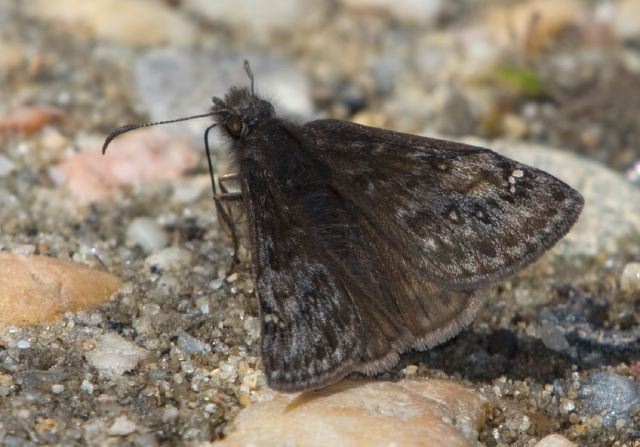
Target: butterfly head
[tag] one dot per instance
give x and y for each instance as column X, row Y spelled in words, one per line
column 240, row 112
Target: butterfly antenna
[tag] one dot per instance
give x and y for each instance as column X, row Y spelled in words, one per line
column 247, row 69
column 129, row 127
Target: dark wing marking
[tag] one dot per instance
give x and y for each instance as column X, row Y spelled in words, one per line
column 334, row 296
column 464, row 216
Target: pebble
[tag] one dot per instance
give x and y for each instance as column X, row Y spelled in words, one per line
column 23, row 344
column 257, row 17
column 191, row 345
column 625, row 19
column 147, row 234
column 189, row 190
column 135, row 22
column 170, row 258
column 415, row 11
column 114, row 355
column 512, row 26
column 630, row 278
column 87, row 386
column 6, row 166
column 37, row 289
column 555, row 441
column 122, row 426
column 12, row 55
column 146, row 155
column 553, row 337
column 407, row 412
column 30, row 119
column 611, row 396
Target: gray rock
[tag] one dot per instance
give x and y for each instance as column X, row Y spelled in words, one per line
column 553, row 337
column 191, row 345
column 172, row 83
column 611, row 396
column 612, row 204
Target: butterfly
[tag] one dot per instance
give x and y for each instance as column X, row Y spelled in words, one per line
column 366, row 243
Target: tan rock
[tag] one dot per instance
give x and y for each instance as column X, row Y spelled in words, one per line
column 36, row 289
column 532, row 24
column 416, row 11
column 555, row 441
column 625, row 19
column 30, row 119
column 356, row 413
column 137, row 22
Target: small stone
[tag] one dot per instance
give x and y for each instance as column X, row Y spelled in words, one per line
column 216, row 284
column 115, row 355
column 191, row 345
column 57, row 388
column 36, row 289
column 514, row 126
column 553, row 337
column 259, row 16
column 630, row 278
column 555, row 441
column 47, row 424
column 147, row 234
column 30, row 119
column 611, row 396
column 87, row 386
column 188, row 190
column 6, row 166
column 232, row 278
column 408, row 412
column 512, row 25
column 625, row 19
column 170, row 258
column 416, row 11
column 12, row 54
column 133, row 22
column 122, row 426
column 23, row 344
column 410, row 371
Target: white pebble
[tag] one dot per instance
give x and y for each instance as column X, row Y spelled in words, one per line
column 6, row 166
column 630, row 278
column 87, row 386
column 57, row 388
column 122, row 426
column 23, row 344
column 115, row 355
column 146, row 233
column 171, row 258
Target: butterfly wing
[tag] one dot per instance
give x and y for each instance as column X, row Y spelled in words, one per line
column 334, row 298
column 464, row 216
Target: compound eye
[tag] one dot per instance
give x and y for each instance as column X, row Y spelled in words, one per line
column 234, row 126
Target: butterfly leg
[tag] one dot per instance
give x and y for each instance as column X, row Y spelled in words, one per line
column 223, row 214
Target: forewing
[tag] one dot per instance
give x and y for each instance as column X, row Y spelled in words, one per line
column 311, row 332
column 335, row 296
column 464, row 216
